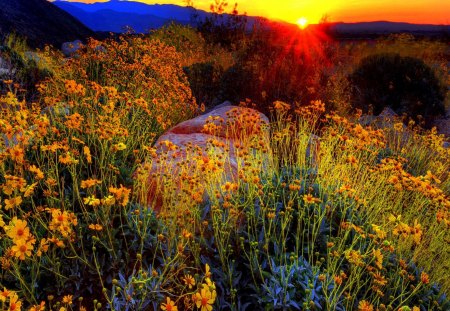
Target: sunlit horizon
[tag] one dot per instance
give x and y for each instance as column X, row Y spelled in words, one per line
column 413, row 11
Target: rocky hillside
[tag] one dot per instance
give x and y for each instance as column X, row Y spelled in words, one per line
column 40, row 22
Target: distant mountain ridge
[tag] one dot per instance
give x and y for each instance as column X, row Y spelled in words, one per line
column 40, row 22
column 387, row 27
column 115, row 15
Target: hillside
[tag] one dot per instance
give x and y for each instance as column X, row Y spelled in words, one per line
column 116, row 15
column 40, row 22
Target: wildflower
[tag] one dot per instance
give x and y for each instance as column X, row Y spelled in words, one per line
column 207, row 272
column 38, row 173
column 119, row 146
column 189, row 281
column 228, row 186
column 14, row 303
column 68, row 299
column 416, row 231
column 74, row 121
column 169, row 305
column 108, row 200
column 204, row 300
column 28, row 190
column 88, row 183
column 365, row 306
column 62, row 222
column 92, row 201
column 354, row 257
column 352, row 160
column 281, row 106
column 379, row 232
column 424, row 278
column 43, row 247
column 22, row 248
column 186, row 234
column 378, row 258
column 18, row 230
column 14, row 202
column 6, row 293
column 96, row 227
column 379, row 279
column 87, row 153
column 39, row 307
column 121, row 193
column 17, row 154
column 309, row 199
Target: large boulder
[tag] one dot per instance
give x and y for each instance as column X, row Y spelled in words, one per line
column 207, row 148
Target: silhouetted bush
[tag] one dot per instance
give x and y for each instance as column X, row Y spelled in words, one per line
column 405, row 84
column 204, row 80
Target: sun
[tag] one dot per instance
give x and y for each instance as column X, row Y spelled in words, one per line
column 302, row 22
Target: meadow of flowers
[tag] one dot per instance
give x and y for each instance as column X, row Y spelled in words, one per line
column 326, row 213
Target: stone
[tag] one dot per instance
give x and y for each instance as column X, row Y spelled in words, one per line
column 70, row 48
column 202, row 143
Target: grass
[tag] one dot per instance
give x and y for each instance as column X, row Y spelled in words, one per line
column 323, row 212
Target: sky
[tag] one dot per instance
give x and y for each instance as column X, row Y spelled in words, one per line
column 412, row 11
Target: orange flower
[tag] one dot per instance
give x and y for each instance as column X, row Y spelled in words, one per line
column 87, row 153
column 354, row 257
column 424, row 278
column 22, row 248
column 67, row 299
column 14, row 202
column 378, row 258
column 16, row 153
column 309, row 199
column 169, row 305
column 6, row 293
column 96, row 227
column 89, row 183
column 281, row 106
column 121, row 193
column 365, row 306
column 14, row 303
column 189, row 281
column 39, row 174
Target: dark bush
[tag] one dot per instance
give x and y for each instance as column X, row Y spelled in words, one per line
column 204, row 80
column 405, row 84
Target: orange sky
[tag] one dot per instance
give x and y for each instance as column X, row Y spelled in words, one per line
column 413, row 11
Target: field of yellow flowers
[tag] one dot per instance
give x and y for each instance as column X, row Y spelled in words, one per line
column 361, row 222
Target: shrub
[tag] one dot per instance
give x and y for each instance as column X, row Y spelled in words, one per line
column 405, row 84
column 204, row 80
column 27, row 68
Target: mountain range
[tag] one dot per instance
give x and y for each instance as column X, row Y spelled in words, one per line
column 115, row 15
column 40, row 22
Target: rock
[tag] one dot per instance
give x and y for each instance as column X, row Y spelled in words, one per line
column 6, row 70
column 70, row 48
column 442, row 126
column 206, row 143
column 388, row 113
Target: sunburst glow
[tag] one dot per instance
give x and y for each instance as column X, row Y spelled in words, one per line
column 302, row 22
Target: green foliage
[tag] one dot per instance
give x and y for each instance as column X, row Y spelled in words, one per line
column 405, row 84
column 27, row 68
